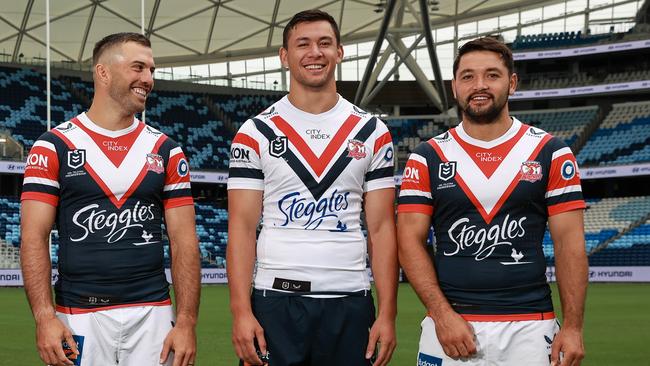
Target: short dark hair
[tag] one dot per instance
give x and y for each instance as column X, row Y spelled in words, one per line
column 115, row 39
column 486, row 44
column 312, row 15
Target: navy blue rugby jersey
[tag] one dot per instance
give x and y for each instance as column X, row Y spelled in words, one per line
column 110, row 189
column 489, row 203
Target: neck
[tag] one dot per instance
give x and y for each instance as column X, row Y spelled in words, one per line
column 312, row 100
column 488, row 131
column 109, row 116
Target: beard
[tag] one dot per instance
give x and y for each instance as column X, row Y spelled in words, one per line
column 123, row 95
column 484, row 115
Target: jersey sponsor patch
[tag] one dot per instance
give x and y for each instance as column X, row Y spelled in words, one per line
column 278, row 146
column 531, row 171
column 447, row 170
column 67, row 350
column 428, row 360
column 568, row 170
column 182, row 168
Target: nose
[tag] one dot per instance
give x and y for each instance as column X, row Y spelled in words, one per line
column 479, row 83
column 146, row 77
column 315, row 50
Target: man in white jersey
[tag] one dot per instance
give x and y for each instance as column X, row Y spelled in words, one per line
column 107, row 180
column 309, row 163
column 489, row 187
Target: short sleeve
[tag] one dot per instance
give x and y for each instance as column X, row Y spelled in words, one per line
column 245, row 169
column 177, row 191
column 41, row 179
column 415, row 193
column 563, row 192
column 380, row 174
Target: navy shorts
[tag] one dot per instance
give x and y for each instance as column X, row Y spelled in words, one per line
column 309, row 331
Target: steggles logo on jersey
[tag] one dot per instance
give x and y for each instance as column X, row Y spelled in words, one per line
column 76, row 158
column 278, row 146
column 531, row 171
column 356, row 149
column 294, row 208
column 91, row 221
column 155, row 163
column 147, row 239
column 482, row 242
column 517, row 257
column 447, row 170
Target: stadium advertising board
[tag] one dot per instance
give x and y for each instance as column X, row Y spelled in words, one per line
column 581, row 90
column 14, row 278
column 581, row 51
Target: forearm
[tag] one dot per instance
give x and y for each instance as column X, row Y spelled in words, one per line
column 37, row 276
column 240, row 256
column 385, row 270
column 571, row 269
column 419, row 269
column 186, row 277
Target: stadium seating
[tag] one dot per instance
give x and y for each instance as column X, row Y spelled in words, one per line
column 567, row 123
column 555, row 40
column 622, row 138
column 631, row 249
column 606, row 218
column 242, row 107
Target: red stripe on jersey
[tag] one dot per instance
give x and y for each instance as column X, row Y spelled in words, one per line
column 416, row 177
column 382, row 140
column 42, row 163
column 566, row 207
column 178, row 202
column 244, row 139
column 71, row 310
column 318, row 164
column 508, row 317
column 555, row 179
column 488, row 160
column 50, row 199
column 115, row 148
column 98, row 180
column 504, row 196
column 415, row 208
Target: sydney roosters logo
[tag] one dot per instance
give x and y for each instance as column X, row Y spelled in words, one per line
column 531, row 171
column 356, row 149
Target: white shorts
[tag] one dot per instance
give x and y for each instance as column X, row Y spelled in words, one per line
column 128, row 336
column 501, row 343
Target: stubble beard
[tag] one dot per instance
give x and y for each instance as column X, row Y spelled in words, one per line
column 485, row 117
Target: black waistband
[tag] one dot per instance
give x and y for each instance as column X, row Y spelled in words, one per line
column 273, row 293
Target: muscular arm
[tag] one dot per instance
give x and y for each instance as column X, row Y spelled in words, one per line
column 36, row 221
column 380, row 219
column 186, row 278
column 571, row 266
column 454, row 333
column 244, row 210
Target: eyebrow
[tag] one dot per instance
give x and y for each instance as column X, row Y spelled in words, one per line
column 324, row 38
column 142, row 64
column 488, row 70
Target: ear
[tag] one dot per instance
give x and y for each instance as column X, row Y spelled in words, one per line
column 514, row 79
column 339, row 53
column 284, row 57
column 102, row 73
column 453, row 87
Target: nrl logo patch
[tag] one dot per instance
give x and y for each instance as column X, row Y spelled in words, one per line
column 356, row 149
column 447, row 170
column 531, row 171
column 155, row 163
column 278, row 146
column 76, row 158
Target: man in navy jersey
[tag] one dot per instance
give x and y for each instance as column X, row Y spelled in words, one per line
column 309, row 163
column 489, row 187
column 107, row 181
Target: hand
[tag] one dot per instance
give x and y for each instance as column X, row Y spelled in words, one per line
column 182, row 341
column 382, row 334
column 569, row 342
column 50, row 333
column 245, row 330
column 455, row 334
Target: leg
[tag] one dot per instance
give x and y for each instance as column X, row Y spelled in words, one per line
column 431, row 353
column 524, row 342
column 96, row 336
column 145, row 329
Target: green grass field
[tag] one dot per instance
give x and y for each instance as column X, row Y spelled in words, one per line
column 617, row 327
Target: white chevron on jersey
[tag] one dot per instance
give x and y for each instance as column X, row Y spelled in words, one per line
column 116, row 179
column 479, row 186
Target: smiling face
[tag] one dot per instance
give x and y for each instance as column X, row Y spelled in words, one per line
column 311, row 55
column 131, row 68
column 482, row 85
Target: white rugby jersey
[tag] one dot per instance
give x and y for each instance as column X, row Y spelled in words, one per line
column 489, row 202
column 314, row 170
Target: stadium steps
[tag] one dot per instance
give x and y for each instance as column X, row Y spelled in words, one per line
column 621, row 233
column 9, row 256
column 76, row 92
column 603, row 111
column 217, row 111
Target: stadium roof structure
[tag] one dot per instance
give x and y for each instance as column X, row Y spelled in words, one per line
column 191, row 32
